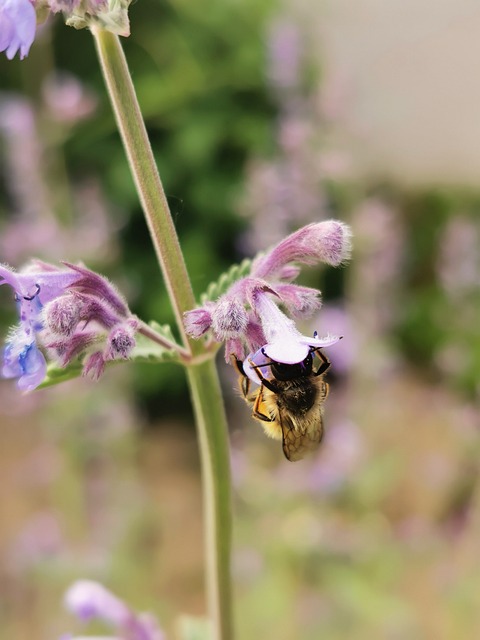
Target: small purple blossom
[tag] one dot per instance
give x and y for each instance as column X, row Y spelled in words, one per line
column 90, row 600
column 17, row 27
column 71, row 313
column 248, row 318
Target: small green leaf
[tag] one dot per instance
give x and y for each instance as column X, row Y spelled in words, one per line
column 218, row 288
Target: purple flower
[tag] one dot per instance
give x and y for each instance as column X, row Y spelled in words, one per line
column 248, row 318
column 90, row 600
column 33, row 289
column 71, row 312
column 17, row 27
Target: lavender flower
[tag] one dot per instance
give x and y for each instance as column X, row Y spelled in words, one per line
column 71, row 312
column 17, row 27
column 247, row 317
column 90, row 600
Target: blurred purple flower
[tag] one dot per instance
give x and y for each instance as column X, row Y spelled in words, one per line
column 67, row 99
column 17, row 27
column 247, row 316
column 284, row 54
column 90, row 600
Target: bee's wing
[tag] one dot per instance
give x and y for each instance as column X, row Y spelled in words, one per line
column 301, row 436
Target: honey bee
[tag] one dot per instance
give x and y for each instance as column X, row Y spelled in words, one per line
column 289, row 402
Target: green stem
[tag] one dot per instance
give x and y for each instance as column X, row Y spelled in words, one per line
column 214, row 456
column 145, row 174
column 203, row 379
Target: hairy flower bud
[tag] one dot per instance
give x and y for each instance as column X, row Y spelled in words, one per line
column 229, row 318
column 197, row 322
column 120, row 343
column 63, row 314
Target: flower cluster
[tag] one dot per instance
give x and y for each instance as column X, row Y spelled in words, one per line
column 18, row 19
column 247, row 317
column 89, row 600
column 70, row 312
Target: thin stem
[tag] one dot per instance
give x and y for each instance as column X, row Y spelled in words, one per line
column 202, row 375
column 156, row 337
column 213, row 442
column 145, row 173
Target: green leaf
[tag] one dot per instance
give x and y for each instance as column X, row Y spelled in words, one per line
column 218, row 288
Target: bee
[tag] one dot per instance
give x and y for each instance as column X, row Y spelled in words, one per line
column 289, row 402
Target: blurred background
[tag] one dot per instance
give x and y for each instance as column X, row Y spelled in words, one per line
column 264, row 115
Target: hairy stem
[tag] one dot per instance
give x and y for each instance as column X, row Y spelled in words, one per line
column 214, row 454
column 145, row 174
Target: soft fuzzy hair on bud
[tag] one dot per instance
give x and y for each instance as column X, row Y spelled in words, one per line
column 63, row 314
column 94, row 366
column 96, row 285
column 64, row 350
column 302, row 302
column 229, row 318
column 197, row 322
column 120, row 343
column 327, row 241
column 95, row 310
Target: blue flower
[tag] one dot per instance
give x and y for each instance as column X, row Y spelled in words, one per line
column 17, row 27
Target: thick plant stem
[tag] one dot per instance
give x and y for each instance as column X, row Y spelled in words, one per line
column 145, row 173
column 202, row 375
column 214, row 454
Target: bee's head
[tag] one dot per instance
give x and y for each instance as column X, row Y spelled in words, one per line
column 282, row 371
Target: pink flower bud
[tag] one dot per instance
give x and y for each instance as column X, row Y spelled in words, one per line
column 229, row 318
column 197, row 322
column 120, row 343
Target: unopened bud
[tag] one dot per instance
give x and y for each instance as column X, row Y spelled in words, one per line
column 197, row 322
column 63, row 314
column 229, row 318
column 120, row 343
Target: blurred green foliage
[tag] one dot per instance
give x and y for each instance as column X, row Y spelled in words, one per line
column 437, row 328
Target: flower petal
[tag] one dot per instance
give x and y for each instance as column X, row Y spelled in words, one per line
column 287, row 351
column 17, row 27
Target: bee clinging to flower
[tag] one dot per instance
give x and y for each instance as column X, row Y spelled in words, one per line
column 289, row 402
column 263, row 343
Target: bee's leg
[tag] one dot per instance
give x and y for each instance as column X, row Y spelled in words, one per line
column 325, row 363
column 267, row 383
column 256, row 408
column 244, row 380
